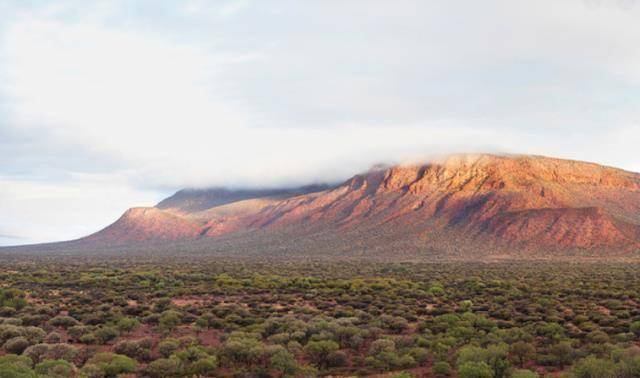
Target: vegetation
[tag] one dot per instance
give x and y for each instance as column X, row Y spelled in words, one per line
column 233, row 318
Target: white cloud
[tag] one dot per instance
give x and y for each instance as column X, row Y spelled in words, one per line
column 40, row 211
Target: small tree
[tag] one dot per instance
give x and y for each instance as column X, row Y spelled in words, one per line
column 592, row 367
column 522, row 352
column 319, row 351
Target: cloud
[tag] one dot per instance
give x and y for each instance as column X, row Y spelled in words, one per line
column 42, row 211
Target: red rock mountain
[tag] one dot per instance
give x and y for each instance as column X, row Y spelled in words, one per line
column 460, row 204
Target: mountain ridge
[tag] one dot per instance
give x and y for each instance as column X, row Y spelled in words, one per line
column 523, row 203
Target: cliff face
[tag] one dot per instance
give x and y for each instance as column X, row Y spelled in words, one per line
column 519, row 202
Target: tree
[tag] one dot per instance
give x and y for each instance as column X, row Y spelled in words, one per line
column 522, row 352
column 593, row 367
column 562, row 353
column 284, row 362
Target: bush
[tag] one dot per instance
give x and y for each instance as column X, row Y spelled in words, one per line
column 441, row 369
column 168, row 346
column 169, row 320
column 89, row 338
column 164, row 367
column 337, row 359
column 53, row 338
column 105, row 334
column 16, row 345
column 382, row 345
column 204, row 367
column 592, row 367
column 127, row 324
column 634, row 328
column 112, row 364
column 319, row 351
column 524, row 373
column 35, row 335
column 284, row 362
column 63, row 321
column 473, row 369
column 55, row 368
column 134, row 349
column 12, row 366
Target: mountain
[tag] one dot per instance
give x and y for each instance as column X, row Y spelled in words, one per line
column 464, row 205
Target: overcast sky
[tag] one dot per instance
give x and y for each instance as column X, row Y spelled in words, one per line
column 106, row 105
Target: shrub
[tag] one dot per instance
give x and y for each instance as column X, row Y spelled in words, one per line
column 169, row 320
column 284, row 362
column 53, row 338
column 78, row 331
column 164, row 367
column 106, row 334
column 89, row 338
column 592, row 367
column 138, row 349
column 35, row 335
column 441, row 369
column 524, row 373
column 521, row 352
column 337, row 359
column 204, row 367
column 16, row 345
column 168, row 346
column 12, row 366
column 634, row 327
column 382, row 345
column 473, row 369
column 127, row 324
column 63, row 321
column 319, row 351
column 55, row 368
column 112, row 364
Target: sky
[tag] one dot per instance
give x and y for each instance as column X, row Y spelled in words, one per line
column 106, row 105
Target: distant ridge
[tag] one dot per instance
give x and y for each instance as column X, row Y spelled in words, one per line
column 465, row 205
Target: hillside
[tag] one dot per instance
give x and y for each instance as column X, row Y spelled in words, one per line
column 462, row 205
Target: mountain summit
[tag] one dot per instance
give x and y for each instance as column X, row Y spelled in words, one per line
column 462, row 205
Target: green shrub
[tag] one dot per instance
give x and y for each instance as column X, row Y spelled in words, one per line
column 63, row 321
column 441, row 369
column 474, row 369
column 55, row 369
column 16, row 345
column 524, row 373
column 13, row 366
column 593, row 367
column 112, row 364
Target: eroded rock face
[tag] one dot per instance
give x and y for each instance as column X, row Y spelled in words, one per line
column 524, row 202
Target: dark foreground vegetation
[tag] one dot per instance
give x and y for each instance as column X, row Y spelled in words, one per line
column 174, row 319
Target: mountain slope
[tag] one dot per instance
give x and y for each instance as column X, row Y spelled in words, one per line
column 459, row 204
